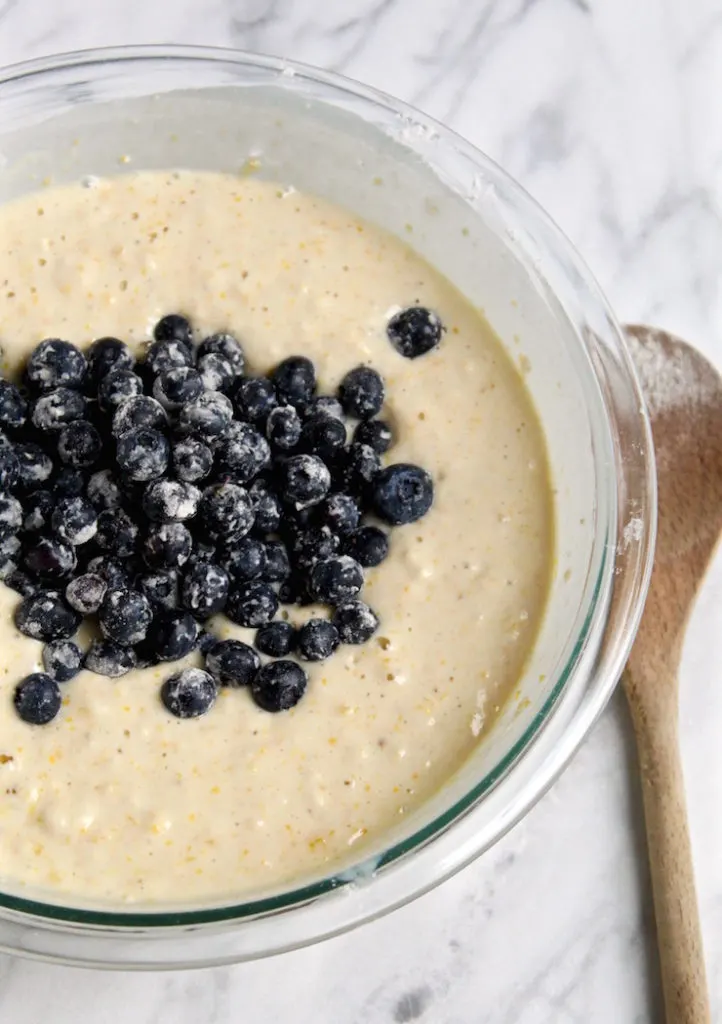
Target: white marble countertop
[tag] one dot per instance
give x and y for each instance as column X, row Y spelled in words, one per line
column 609, row 112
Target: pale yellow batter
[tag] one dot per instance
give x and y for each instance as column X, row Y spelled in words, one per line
column 117, row 800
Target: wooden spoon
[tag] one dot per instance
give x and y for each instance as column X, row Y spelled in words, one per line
column 684, row 398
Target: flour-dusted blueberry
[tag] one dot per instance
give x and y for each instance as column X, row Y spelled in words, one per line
column 10, row 551
column 117, row 534
column 368, row 545
column 283, row 427
column 103, row 489
column 226, row 346
column 22, row 583
column 204, row 589
column 317, row 640
column 232, row 663
column 362, row 392
column 174, row 387
column 79, row 444
column 85, row 593
column 117, row 387
column 206, row 641
column 208, row 417
column 304, row 480
column 125, row 616
column 11, row 514
column 402, row 493
column 115, row 572
column 279, row 685
column 167, row 546
column 192, row 459
column 252, row 604
column 62, row 660
column 189, row 693
column 276, row 639
column 377, row 434
column 172, row 635
column 75, row 520
column 106, row 355
column 174, row 327
column 45, row 616
column 161, row 587
column 9, row 467
column 314, row 544
column 68, row 482
column 143, row 453
column 54, row 409
column 216, row 373
column 267, row 507
column 295, row 590
column 322, row 435
column 139, row 411
column 166, row 501
column 225, row 510
column 359, row 469
column 340, row 513
column 324, row 404
column 55, row 364
column 295, row 380
column 243, row 453
column 37, row 699
column 34, row 466
column 335, row 580
column 244, row 559
column 205, row 550
column 13, row 406
column 253, row 398
column 49, row 558
column 107, row 658
column 278, row 564
column 355, row 621
column 414, row 331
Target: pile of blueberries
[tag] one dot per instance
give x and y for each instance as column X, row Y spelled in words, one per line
column 148, row 495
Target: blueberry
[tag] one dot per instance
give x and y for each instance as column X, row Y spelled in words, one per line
column 10, row 548
column 360, row 468
column 266, row 506
column 172, row 635
column 335, row 580
column 37, row 510
column 11, row 514
column 112, row 570
column 106, row 658
column 206, row 642
column 55, row 408
column 313, row 545
column 166, row 501
column 79, row 444
column 117, row 533
column 34, row 466
column 45, row 616
column 279, row 685
column 176, row 386
column 368, row 545
column 224, row 345
column 189, row 693
column 414, row 331
column 362, row 392
column 106, row 355
column 167, row 546
column 276, row 639
column 278, row 565
column 68, row 482
column 50, row 559
column 305, row 480
column 208, row 417
column 295, row 380
column 21, row 583
column 377, row 434
column 103, row 489
column 244, row 559
column 174, row 327
column 37, row 699
column 139, row 411
column 55, row 364
column 162, row 588
column 402, row 493
column 243, row 453
column 117, row 387
column 143, row 453
column 86, row 592
column 317, row 639
column 252, row 604
column 325, row 404
column 355, row 621
column 192, row 459
column 74, row 520
column 283, row 427
column 294, row 590
column 125, row 616
column 204, row 550
column 323, row 434
column 225, row 511
column 216, row 373
column 62, row 660
column 9, row 467
column 340, row 513
column 204, row 590
column 232, row 663
column 13, row 407
column 254, row 397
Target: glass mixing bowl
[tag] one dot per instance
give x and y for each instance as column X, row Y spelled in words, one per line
column 108, row 111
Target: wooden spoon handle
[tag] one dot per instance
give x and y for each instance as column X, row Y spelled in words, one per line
column 670, row 856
